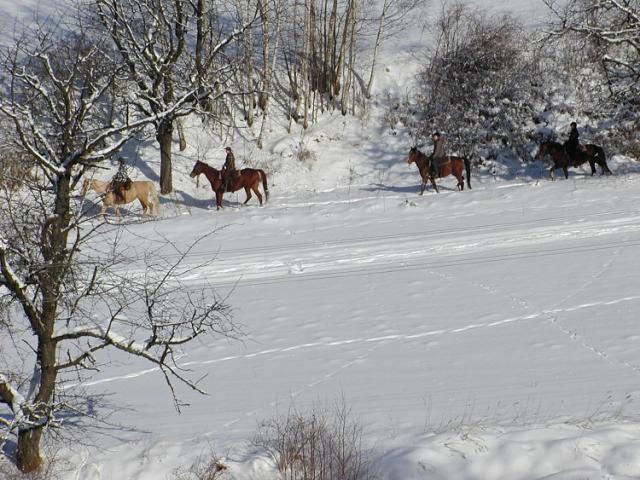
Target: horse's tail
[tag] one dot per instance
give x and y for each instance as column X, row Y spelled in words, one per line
column 467, row 167
column 601, row 158
column 153, row 198
column 264, row 184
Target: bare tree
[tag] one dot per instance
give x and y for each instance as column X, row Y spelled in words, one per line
column 64, row 304
column 613, row 28
column 389, row 22
column 154, row 41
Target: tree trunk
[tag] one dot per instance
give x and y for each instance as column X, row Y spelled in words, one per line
column 164, row 137
column 28, row 458
column 376, row 48
column 183, row 139
column 53, row 244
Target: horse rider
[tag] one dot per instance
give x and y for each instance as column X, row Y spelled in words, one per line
column 572, row 145
column 438, row 155
column 121, row 182
column 229, row 171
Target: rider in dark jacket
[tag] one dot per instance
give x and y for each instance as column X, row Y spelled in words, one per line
column 572, row 145
column 438, row 154
column 228, row 170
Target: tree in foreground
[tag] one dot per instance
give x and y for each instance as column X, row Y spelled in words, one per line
column 64, row 295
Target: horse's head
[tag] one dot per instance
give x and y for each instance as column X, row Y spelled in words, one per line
column 197, row 169
column 543, row 150
column 413, row 155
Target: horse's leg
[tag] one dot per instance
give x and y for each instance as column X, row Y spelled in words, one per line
column 144, row 206
column 247, row 191
column 565, row 169
column 218, row 199
column 433, row 183
column 460, row 177
column 256, row 190
column 423, row 185
column 551, row 175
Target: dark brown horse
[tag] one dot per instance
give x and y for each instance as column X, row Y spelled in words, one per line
column 450, row 166
column 247, row 178
column 593, row 154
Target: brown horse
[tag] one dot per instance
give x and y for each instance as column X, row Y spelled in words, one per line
column 450, row 166
column 593, row 154
column 247, row 178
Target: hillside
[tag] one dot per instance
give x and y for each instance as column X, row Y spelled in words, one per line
column 484, row 334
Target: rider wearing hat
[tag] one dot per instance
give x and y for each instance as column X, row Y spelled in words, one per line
column 572, row 145
column 438, row 154
column 121, row 182
column 228, row 170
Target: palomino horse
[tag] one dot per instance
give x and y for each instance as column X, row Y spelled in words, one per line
column 593, row 154
column 248, row 178
column 143, row 190
column 450, row 166
column 98, row 186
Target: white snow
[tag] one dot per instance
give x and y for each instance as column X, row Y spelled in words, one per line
column 485, row 334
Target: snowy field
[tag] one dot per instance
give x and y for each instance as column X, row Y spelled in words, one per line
column 485, row 334
column 504, row 318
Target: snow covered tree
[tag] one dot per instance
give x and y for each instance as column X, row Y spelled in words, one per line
column 613, row 28
column 610, row 31
column 167, row 57
column 63, row 305
column 478, row 83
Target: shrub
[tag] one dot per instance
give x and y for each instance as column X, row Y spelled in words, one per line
column 316, row 445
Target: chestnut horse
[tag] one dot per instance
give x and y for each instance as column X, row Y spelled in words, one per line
column 247, row 178
column 593, row 154
column 450, row 166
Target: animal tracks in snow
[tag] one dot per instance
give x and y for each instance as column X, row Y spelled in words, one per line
column 380, row 340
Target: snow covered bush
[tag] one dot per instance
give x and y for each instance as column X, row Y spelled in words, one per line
column 601, row 38
column 480, row 82
column 211, row 468
column 318, row 445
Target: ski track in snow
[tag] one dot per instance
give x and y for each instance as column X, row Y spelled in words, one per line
column 359, row 256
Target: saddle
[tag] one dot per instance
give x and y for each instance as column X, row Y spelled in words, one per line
column 438, row 163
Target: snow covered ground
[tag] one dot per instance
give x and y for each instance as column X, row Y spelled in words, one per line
column 485, row 334
column 474, row 314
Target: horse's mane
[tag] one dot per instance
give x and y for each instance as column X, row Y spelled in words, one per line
column 206, row 165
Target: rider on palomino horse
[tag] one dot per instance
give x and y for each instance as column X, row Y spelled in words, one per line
column 120, row 182
column 438, row 155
